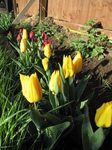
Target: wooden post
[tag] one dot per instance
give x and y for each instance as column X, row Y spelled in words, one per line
column 15, row 8
column 42, row 9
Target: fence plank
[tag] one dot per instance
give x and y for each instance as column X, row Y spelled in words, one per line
column 79, row 11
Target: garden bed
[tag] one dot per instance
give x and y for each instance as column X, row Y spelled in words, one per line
column 100, row 79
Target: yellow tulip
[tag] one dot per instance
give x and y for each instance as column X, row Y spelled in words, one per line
column 68, row 67
column 45, row 63
column 25, row 34
column 22, row 45
column 77, row 61
column 31, row 88
column 47, row 51
column 52, row 82
column 103, row 116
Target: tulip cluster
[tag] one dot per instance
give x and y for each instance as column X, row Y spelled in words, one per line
column 44, row 37
column 72, row 67
column 103, row 116
column 69, row 68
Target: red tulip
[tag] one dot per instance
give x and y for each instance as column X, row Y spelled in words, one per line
column 32, row 34
column 45, row 37
column 42, row 35
column 10, row 33
column 50, row 42
column 19, row 37
column 35, row 39
column 42, row 48
column 45, row 42
column 21, row 30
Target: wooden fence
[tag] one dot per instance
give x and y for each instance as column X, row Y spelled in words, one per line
column 74, row 13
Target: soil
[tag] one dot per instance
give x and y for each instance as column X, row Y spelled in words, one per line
column 101, row 75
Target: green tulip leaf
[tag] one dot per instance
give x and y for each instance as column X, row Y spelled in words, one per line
column 64, row 86
column 91, row 140
column 36, row 118
column 52, row 134
column 81, row 87
column 71, row 88
column 97, row 138
column 52, row 99
column 52, row 118
column 87, row 131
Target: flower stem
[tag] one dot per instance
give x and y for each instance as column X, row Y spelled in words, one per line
column 35, row 106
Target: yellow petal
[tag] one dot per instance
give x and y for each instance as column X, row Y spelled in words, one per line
column 34, row 91
column 25, row 34
column 77, row 61
column 103, row 115
column 45, row 63
column 31, row 88
column 55, row 75
column 24, row 82
column 47, row 51
column 68, row 67
column 23, row 45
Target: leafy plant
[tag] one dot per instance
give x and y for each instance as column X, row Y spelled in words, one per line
column 6, row 20
column 89, row 44
column 14, row 118
column 60, row 37
column 44, row 27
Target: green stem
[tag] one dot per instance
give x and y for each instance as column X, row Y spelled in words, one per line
column 35, row 106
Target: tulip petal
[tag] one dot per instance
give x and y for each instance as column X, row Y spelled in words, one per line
column 77, row 61
column 45, row 63
column 55, row 77
column 34, row 91
column 24, row 82
column 103, row 115
column 47, row 51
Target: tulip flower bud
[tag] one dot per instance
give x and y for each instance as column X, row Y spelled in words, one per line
column 19, row 37
column 77, row 61
column 68, row 67
column 32, row 35
column 45, row 63
column 103, row 115
column 25, row 35
column 47, row 51
column 21, row 30
column 45, row 42
column 42, row 36
column 55, row 77
column 10, row 33
column 42, row 48
column 31, row 88
column 35, row 39
column 22, row 45
column 46, row 37
column 50, row 42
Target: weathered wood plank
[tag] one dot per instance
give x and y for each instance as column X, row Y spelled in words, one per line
column 24, row 10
